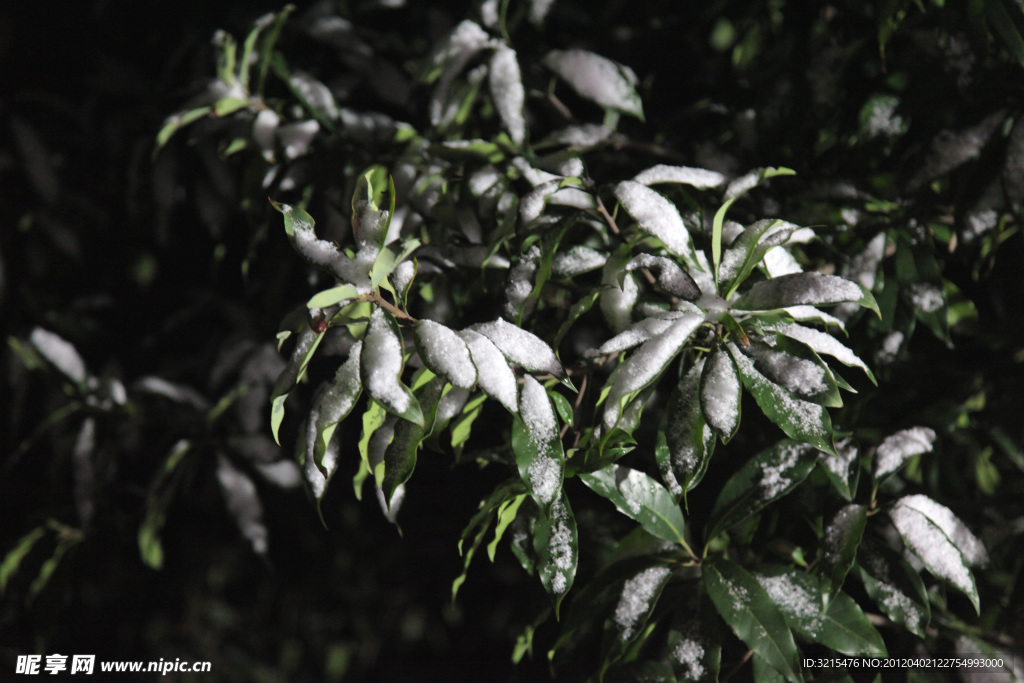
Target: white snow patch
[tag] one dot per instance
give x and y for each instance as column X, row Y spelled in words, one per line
column 656, row 215
column 617, row 302
column 640, row 332
column 697, row 177
column 507, row 90
column 483, row 179
column 539, row 10
column 381, row 362
column 580, row 259
column 899, row 447
column 295, row 137
column 688, row 654
column 811, row 313
column 583, row 136
column 800, row 375
column 595, row 78
column 635, row 600
column 446, row 353
column 575, row 198
column 720, row 392
column 840, row 466
column 521, row 347
column 969, row 545
column 794, row 599
column 926, row 297
column 820, row 342
column 775, row 475
column 545, row 475
column 493, row 373
column 742, row 184
column 930, row 543
column 531, row 206
column 890, row 348
column 60, row 352
column 560, row 547
column 243, row 503
column 800, row 288
column 778, row 262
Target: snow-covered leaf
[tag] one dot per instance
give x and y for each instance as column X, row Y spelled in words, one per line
column 843, row 534
column 640, row 498
column 637, row 334
column 929, row 542
column 694, row 641
column 799, row 419
column 658, row 216
column 380, row 367
column 523, row 348
column 445, row 352
column 637, row 601
column 243, row 503
column 813, row 289
column 400, row 455
column 556, row 545
column 537, row 444
column 720, row 393
column 972, row 549
column 646, row 364
column 696, row 177
column 748, row 249
column 895, row 586
column 796, row 368
column 333, row 402
column 60, row 353
column 753, row 616
column 494, row 375
column 373, row 205
column 507, row 92
column 577, row 260
column 689, row 441
column 619, row 291
column 671, row 278
column 842, row 469
column 598, row 79
column 897, row 448
column 822, row 343
column 766, row 477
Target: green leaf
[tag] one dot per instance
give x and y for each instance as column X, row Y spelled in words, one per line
column 689, row 442
column 14, row 557
column 333, row 403
column 373, row 205
column 229, row 105
column 813, row 289
column 720, row 393
column 658, row 216
column 160, row 492
column 839, row 546
column 332, row 296
column 895, row 586
column 387, row 260
column 597, row 79
column 481, row 522
column 462, row 425
column 373, row 419
column 636, row 601
column 267, row 47
column 802, row 420
column 48, row 567
column 305, row 347
column 575, row 312
column 646, row 365
column 796, row 368
column 537, row 445
column 556, row 544
column 822, row 344
column 846, row 629
column 380, row 368
column 694, row 641
column 748, row 250
column 295, row 218
column 640, row 498
column 177, row 122
column 716, row 238
column 766, row 477
column 506, row 515
column 753, row 616
column 400, row 456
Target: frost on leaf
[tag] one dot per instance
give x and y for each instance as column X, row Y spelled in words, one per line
column 243, row 503
column 646, row 365
column 635, row 335
column 897, row 448
column 60, row 353
column 597, row 79
column 656, row 215
column 720, row 393
column 521, row 347
column 813, row 289
column 507, row 91
column 494, row 375
column 972, row 549
column 444, row 352
column 927, row 540
column 799, row 603
column 696, row 177
column 637, row 600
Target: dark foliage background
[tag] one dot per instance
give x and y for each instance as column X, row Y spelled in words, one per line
column 138, row 262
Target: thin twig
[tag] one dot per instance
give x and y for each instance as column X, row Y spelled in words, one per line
column 733, row 671
column 375, row 297
column 607, row 216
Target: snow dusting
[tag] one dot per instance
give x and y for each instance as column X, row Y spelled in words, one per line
column 969, row 545
column 381, row 363
column 582, row 136
column 560, row 547
column 775, row 477
column 820, row 342
column 521, row 347
column 688, row 654
column 899, row 447
column 928, row 542
column 531, row 206
column 926, row 297
column 243, row 503
column 671, row 278
column 655, row 214
column 634, row 336
column 720, row 392
column 545, row 475
column 537, row 413
column 507, row 90
column 578, row 260
column 295, row 137
column 799, row 288
column 446, row 353
column 595, row 78
column 60, row 352
column 697, row 177
column 635, row 600
column 617, row 302
column 794, row 600
column 800, row 375
column 493, row 373
column 840, row 466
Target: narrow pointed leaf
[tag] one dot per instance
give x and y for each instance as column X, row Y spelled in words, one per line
column 822, row 343
column 796, row 368
column 536, row 443
column 812, row 289
column 243, row 503
column 658, row 216
column 753, row 616
column 597, row 79
column 478, row 525
column 802, row 420
column 334, row 402
column 445, row 352
column 640, row 498
column 895, row 586
column 507, row 91
column 494, row 375
column 305, row 347
column 839, row 546
column 696, row 177
column 373, row 205
column 14, row 557
column 748, row 249
column 400, row 456
column 556, row 544
column 380, row 368
column 332, row 296
column 689, row 440
column 766, row 477
column 897, row 448
column 720, row 393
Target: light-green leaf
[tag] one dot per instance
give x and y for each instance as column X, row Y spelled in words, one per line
column 334, row 402
column 332, row 296
column 305, row 347
column 400, row 456
column 641, row 498
column 13, row 559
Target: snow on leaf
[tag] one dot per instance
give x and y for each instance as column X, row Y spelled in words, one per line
column 381, row 364
column 720, row 393
column 895, row 586
column 531, row 206
column 539, row 449
column 671, row 278
column 637, row 600
column 748, row 249
column 635, row 335
column 795, row 369
column 494, row 375
column 243, row 503
column 639, row 497
column 696, row 177
column 60, row 353
column 689, row 440
column 444, row 352
column 972, row 549
column 822, row 343
column 597, row 79
column 578, row 260
column 928, row 541
column 814, row 289
column 647, row 363
column 618, row 296
column 656, row 215
column 583, row 136
column 521, row 347
column 507, row 91
column 556, row 545
column 897, row 448
column 333, row 403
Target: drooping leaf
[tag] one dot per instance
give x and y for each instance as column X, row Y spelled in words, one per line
column 821, row 343
column 637, row 334
column 380, row 368
column 373, row 205
column 796, row 368
column 598, row 79
column 334, row 402
column 658, row 216
column 720, row 393
column 841, row 468
column 640, row 498
column 556, row 544
column 753, row 616
column 400, row 455
column 895, row 586
column 689, row 440
column 797, row 289
column 494, row 375
column 696, row 177
column 178, row 121
column 537, row 445
column 969, row 545
column 507, row 92
column 927, row 540
column 243, row 503
column 766, row 477
column 802, row 420
column 522, row 347
column 305, row 347
column 672, row 279
column 60, row 353
column 839, row 546
column 694, row 641
column 14, row 557
column 897, row 448
column 478, row 525
column 646, row 364
column 506, row 515
column 445, row 352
